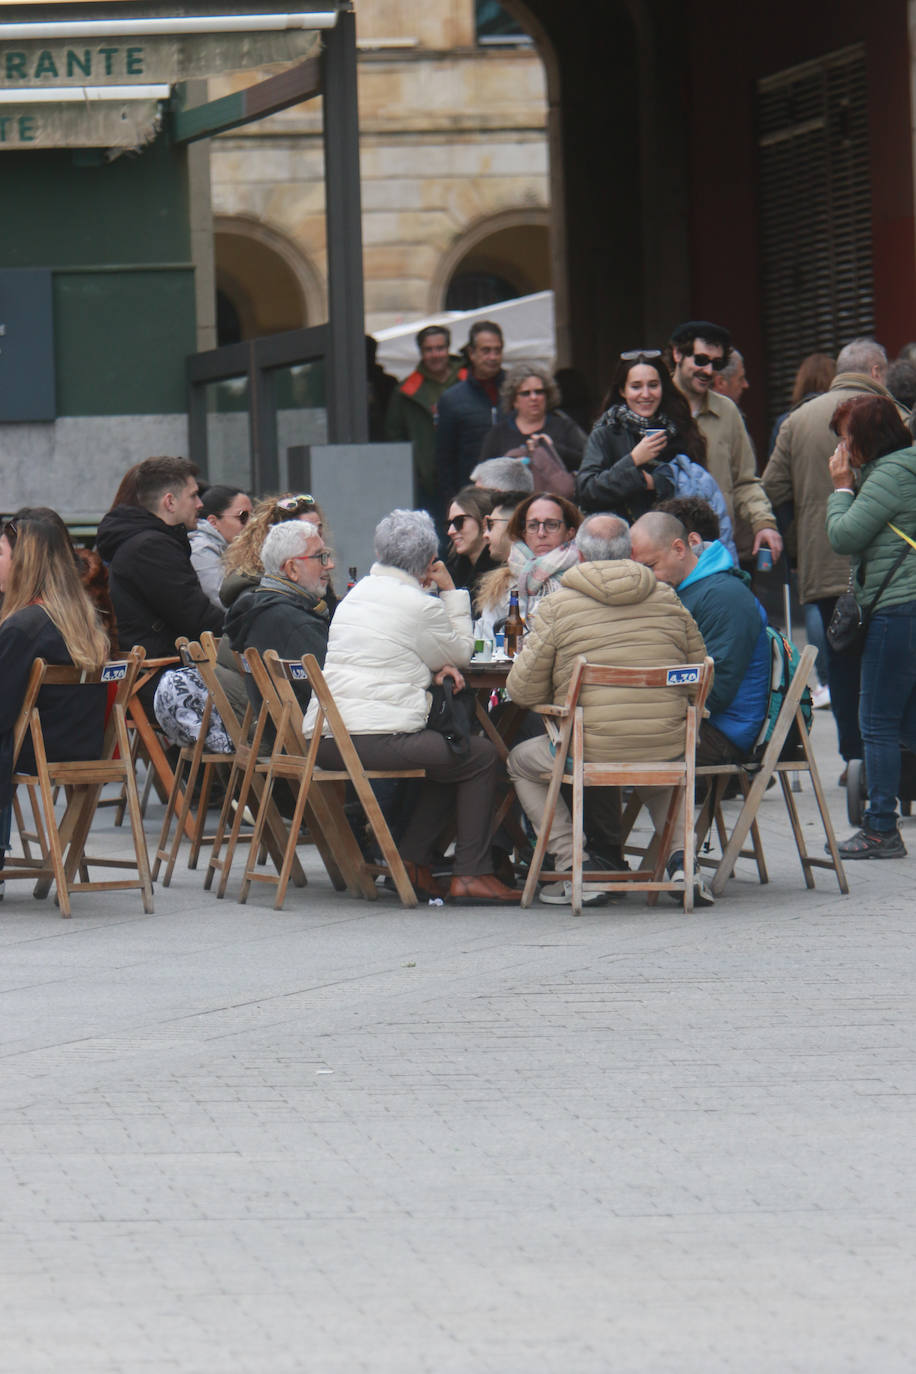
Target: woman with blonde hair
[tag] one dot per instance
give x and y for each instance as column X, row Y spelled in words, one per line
column 46, row 614
column 242, row 559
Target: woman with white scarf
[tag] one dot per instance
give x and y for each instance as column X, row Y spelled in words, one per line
column 542, row 532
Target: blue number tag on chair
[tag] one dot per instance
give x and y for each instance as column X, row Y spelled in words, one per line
column 682, row 677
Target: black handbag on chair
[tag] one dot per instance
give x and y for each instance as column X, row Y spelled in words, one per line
column 452, row 714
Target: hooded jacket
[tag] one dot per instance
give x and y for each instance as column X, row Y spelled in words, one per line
column 154, row 589
column 733, row 625
column 207, row 549
column 282, row 616
column 617, row 614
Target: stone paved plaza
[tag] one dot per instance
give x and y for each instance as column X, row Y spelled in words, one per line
column 347, row 1137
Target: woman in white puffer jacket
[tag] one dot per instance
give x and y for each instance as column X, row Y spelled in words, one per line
column 393, row 632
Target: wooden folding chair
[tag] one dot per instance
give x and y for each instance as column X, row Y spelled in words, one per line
column 570, row 767
column 319, row 791
column 63, row 842
column 194, row 761
column 754, row 779
column 245, row 786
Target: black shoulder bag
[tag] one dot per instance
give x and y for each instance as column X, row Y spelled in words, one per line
column 849, row 623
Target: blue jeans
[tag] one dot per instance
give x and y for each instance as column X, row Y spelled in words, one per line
column 887, row 708
column 843, row 680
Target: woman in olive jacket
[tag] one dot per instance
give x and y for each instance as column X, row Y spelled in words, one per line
column 870, row 524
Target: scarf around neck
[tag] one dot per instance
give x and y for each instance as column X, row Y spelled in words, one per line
column 623, row 415
column 538, row 575
column 292, row 589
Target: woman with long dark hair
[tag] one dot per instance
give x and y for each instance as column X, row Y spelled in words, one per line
column 46, row 614
column 646, row 447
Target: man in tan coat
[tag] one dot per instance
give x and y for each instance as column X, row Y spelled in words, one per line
column 797, row 473
column 613, row 611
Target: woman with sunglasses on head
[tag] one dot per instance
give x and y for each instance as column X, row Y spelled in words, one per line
column 646, row 447
column 469, row 556
column 224, row 513
column 46, row 614
column 242, row 559
column 531, row 398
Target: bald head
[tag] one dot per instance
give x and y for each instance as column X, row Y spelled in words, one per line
column 603, row 538
column 660, row 542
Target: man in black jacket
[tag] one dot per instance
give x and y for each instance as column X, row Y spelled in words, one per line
column 288, row 610
column 467, row 411
column 154, row 588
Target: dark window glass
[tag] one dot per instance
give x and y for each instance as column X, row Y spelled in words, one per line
column 494, row 25
column 474, row 290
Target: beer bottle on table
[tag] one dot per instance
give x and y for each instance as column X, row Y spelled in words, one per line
column 351, row 580
column 515, row 625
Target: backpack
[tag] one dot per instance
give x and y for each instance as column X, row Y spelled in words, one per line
column 784, row 659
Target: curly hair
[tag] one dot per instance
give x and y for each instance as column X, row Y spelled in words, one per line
column 244, row 553
column 519, row 374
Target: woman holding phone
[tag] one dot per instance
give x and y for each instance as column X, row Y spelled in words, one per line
column 646, row 447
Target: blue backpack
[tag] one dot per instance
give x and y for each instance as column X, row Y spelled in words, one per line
column 784, row 659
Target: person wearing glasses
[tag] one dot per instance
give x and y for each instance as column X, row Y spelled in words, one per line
column 469, row 555
column 541, row 538
column 223, row 514
column 287, row 611
column 699, row 349
column 531, row 398
column 242, row 564
column 645, row 447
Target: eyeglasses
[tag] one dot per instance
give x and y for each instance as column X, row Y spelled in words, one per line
column 634, row 353
column 535, row 391
column 551, row 526
column 491, row 520
column 324, row 558
column 704, row 360
column 457, row 522
column 304, row 502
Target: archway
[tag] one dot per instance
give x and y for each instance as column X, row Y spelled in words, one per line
column 264, row 285
column 497, row 259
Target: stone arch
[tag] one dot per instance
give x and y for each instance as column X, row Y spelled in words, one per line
column 513, row 244
column 265, row 277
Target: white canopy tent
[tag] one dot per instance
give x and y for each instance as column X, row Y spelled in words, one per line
column 527, row 324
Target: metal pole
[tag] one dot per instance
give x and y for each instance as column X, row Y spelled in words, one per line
column 346, row 385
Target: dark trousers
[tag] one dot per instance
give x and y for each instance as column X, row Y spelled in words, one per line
column 888, row 708
column 843, row 672
column 714, row 747
column 465, row 786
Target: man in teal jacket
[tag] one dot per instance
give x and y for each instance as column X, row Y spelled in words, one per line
column 732, row 623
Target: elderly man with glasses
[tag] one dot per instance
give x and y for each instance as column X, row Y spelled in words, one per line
column 287, row 610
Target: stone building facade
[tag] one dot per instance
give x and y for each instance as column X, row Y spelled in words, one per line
column 454, row 178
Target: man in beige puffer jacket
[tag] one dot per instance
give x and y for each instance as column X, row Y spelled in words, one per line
column 613, row 611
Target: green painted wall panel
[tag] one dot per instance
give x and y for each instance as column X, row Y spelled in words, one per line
column 121, row 339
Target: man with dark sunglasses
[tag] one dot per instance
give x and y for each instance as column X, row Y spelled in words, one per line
column 701, row 349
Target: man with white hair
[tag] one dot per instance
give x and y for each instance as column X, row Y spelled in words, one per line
column 797, row 475
column 732, row 380
column 287, row 610
column 503, row 474
column 616, row 613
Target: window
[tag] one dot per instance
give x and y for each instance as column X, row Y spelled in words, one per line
column 818, row 290
column 495, row 27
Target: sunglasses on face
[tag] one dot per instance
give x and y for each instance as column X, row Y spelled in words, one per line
column 457, row 522
column 704, row 360
column 551, row 526
column 634, row 354
column 304, row 502
column 242, row 516
column 535, row 391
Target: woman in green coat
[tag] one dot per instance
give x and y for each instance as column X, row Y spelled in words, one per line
column 871, row 510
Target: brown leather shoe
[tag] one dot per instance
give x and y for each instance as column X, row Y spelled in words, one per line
column 425, row 883
column 479, row 889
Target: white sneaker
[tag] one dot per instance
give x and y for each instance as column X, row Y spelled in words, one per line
column 560, row 894
column 820, row 698
column 702, row 893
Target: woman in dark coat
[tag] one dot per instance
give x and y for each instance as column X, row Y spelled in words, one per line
column 531, row 398
column 46, row 614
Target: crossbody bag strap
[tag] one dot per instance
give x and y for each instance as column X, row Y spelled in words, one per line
column 890, row 572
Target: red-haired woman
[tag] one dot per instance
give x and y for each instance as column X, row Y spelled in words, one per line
column 869, row 515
